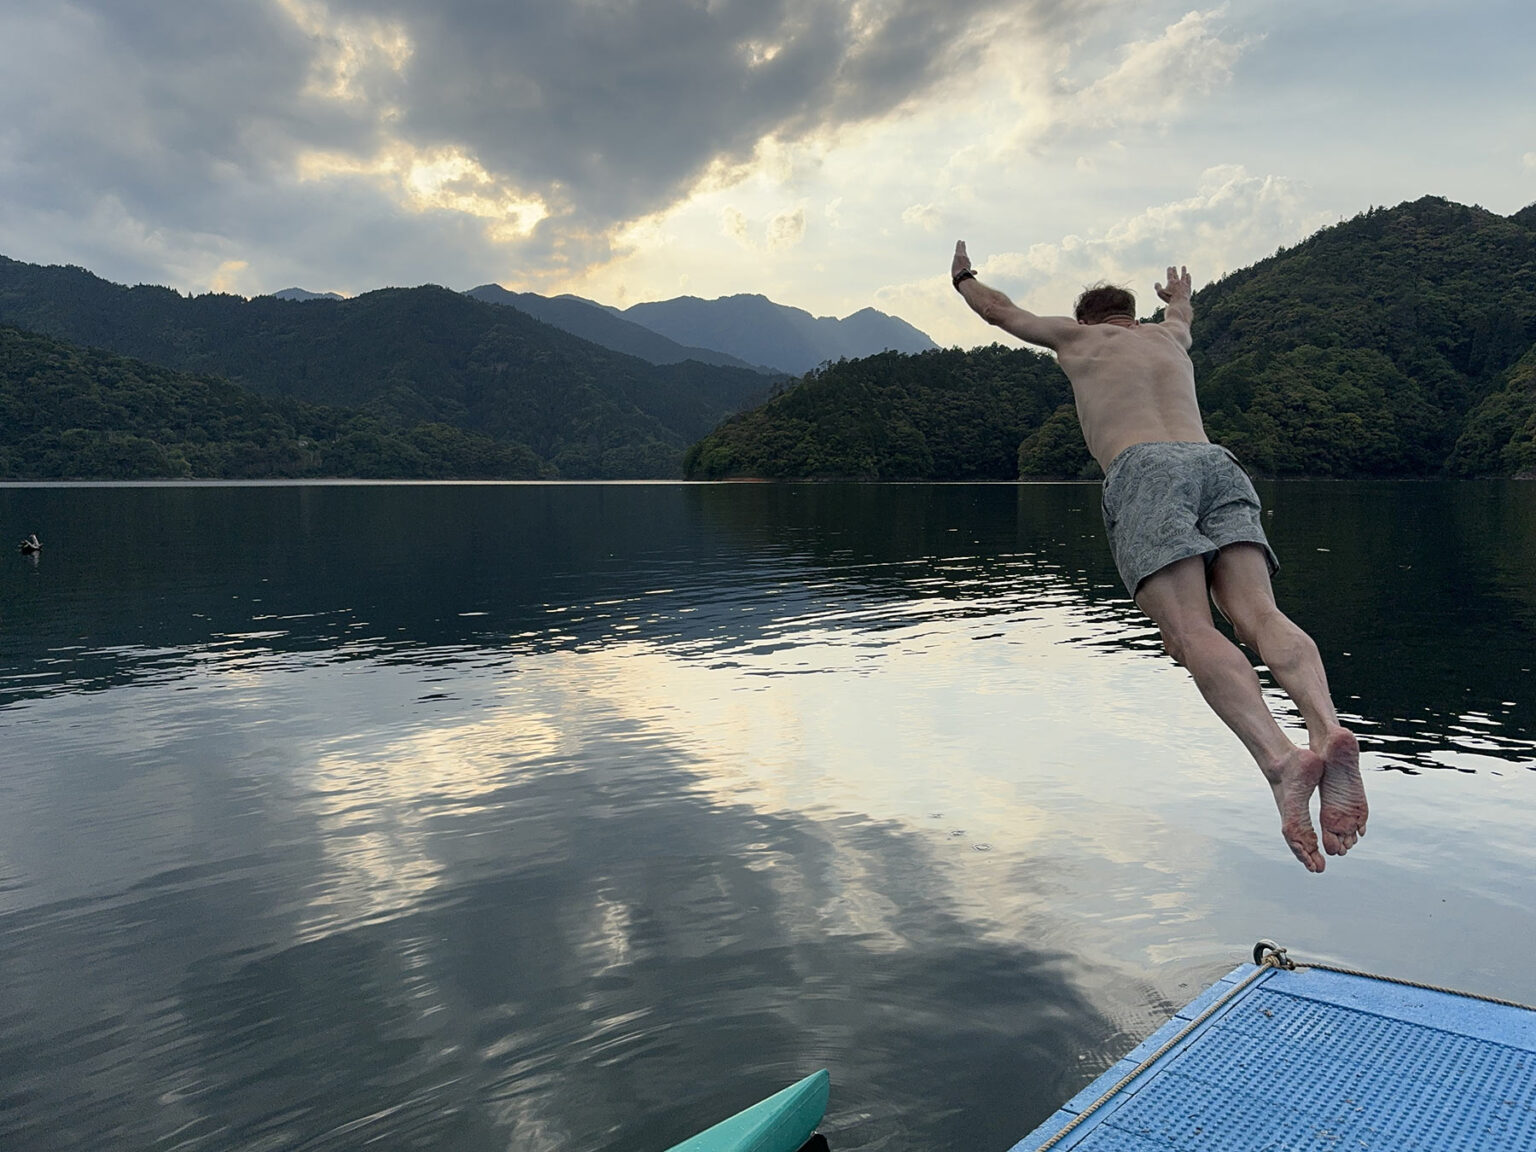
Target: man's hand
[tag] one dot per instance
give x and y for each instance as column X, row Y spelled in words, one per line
column 962, row 262
column 1180, row 313
column 1178, row 286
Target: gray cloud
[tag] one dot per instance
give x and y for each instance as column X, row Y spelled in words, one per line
column 168, row 131
column 620, row 103
column 149, row 135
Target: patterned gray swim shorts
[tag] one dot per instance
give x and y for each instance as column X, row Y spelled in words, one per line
column 1166, row 501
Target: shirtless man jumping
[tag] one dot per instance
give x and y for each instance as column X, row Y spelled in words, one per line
column 1183, row 523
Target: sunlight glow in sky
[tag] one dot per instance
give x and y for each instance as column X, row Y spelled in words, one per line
column 825, row 153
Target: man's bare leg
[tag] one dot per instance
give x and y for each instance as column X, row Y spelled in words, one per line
column 1177, row 599
column 1241, row 588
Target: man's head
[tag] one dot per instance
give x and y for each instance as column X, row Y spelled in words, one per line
column 1099, row 303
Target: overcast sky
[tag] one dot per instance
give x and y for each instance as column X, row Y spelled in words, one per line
column 825, row 153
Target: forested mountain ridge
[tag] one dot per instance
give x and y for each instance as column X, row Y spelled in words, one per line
column 75, row 413
column 942, row 415
column 407, row 356
column 1368, row 348
column 1398, row 343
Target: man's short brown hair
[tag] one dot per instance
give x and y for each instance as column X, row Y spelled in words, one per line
column 1102, row 301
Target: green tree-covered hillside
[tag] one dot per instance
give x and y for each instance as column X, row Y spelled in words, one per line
column 1499, row 438
column 1365, row 349
column 1394, row 344
column 73, row 413
column 940, row 415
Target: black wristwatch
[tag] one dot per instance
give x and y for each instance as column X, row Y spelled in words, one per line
column 968, row 274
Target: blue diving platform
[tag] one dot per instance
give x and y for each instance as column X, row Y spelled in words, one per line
column 1277, row 1057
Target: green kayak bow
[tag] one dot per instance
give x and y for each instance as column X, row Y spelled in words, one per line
column 781, row 1123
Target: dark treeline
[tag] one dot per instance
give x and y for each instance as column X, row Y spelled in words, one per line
column 413, row 361
column 941, row 415
column 1400, row 343
column 72, row 413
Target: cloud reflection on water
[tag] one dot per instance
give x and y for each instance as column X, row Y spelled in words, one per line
column 545, row 942
column 510, row 842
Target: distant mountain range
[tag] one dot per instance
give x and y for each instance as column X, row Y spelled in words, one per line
column 744, row 330
column 407, row 359
column 304, row 294
column 102, row 380
column 789, row 339
column 604, row 326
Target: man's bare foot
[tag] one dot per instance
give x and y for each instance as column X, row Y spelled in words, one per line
column 1293, row 781
column 1343, row 811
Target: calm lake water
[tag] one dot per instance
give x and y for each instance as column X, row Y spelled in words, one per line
column 579, row 816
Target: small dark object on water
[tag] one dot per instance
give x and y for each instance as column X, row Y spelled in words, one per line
column 29, row 545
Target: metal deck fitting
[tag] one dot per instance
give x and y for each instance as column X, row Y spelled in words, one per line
column 1281, row 1058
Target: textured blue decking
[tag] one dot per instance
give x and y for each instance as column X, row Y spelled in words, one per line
column 1308, row 1059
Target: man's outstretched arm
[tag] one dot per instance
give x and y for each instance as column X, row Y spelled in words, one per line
column 995, row 308
column 1179, row 312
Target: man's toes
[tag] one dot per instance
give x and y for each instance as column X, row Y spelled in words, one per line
column 1333, row 843
column 1310, row 857
column 1303, row 846
column 1343, row 824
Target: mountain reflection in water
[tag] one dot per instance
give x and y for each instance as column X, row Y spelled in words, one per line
column 580, row 816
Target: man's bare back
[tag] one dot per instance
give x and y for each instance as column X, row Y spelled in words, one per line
column 1134, row 387
column 1132, row 382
